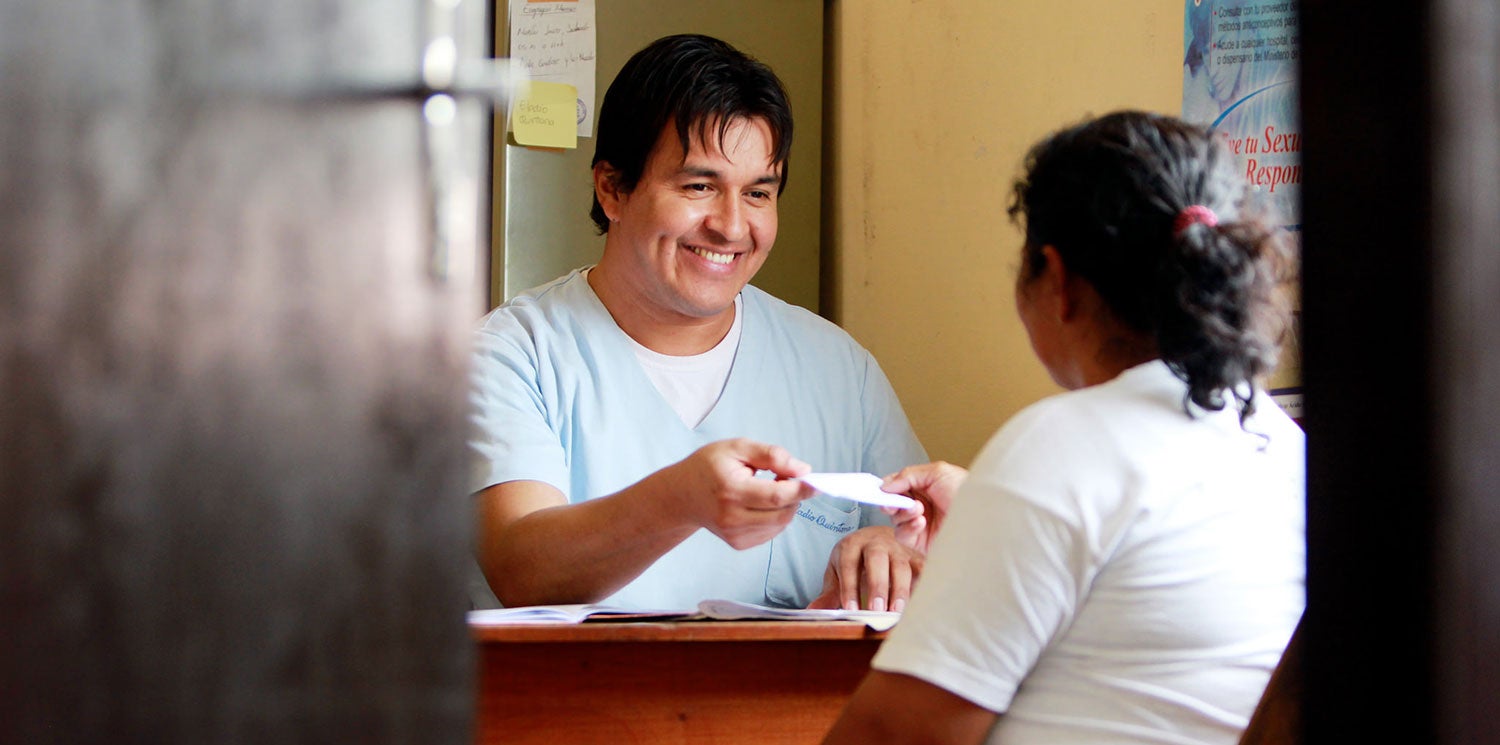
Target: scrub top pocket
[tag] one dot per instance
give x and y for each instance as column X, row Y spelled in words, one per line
column 799, row 555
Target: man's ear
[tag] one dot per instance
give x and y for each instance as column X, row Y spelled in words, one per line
column 607, row 189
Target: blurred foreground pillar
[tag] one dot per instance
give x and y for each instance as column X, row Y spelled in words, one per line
column 232, row 469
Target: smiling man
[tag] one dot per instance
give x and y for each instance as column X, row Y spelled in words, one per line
column 640, row 423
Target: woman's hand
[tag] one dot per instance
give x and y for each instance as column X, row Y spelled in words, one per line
column 933, row 486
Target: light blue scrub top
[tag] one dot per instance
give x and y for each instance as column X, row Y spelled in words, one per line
column 560, row 397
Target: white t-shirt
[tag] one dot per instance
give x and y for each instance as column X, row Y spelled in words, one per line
column 692, row 384
column 1114, row 571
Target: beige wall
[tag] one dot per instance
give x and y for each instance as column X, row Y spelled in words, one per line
column 932, row 105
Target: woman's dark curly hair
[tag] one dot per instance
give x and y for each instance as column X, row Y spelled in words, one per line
column 1105, row 195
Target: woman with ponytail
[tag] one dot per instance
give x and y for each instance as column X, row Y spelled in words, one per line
column 1124, row 562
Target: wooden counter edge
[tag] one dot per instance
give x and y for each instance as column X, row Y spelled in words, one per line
column 678, row 631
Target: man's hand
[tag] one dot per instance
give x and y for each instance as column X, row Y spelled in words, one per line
column 931, row 484
column 872, row 564
column 716, row 487
column 537, row 549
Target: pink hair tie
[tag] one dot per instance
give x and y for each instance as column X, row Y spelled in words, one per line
column 1191, row 215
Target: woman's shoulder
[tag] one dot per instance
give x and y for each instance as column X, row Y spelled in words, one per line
column 1133, row 400
column 1129, row 430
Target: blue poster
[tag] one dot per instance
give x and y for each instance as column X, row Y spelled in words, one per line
column 1239, row 76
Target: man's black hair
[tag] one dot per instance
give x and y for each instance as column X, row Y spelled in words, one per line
column 688, row 81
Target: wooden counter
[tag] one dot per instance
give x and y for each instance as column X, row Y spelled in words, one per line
column 665, row 683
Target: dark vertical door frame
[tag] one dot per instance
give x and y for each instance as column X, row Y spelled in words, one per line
column 1466, row 365
column 1402, row 370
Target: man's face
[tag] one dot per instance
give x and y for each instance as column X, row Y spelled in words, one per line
column 697, row 228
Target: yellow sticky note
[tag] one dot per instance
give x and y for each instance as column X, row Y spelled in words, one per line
column 547, row 116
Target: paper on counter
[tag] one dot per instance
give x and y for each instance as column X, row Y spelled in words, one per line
column 860, row 487
column 732, row 610
column 570, row 613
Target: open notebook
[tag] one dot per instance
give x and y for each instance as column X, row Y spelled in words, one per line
column 708, row 610
column 576, row 613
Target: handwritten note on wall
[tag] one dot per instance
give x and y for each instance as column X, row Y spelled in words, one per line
column 555, row 38
column 544, row 116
